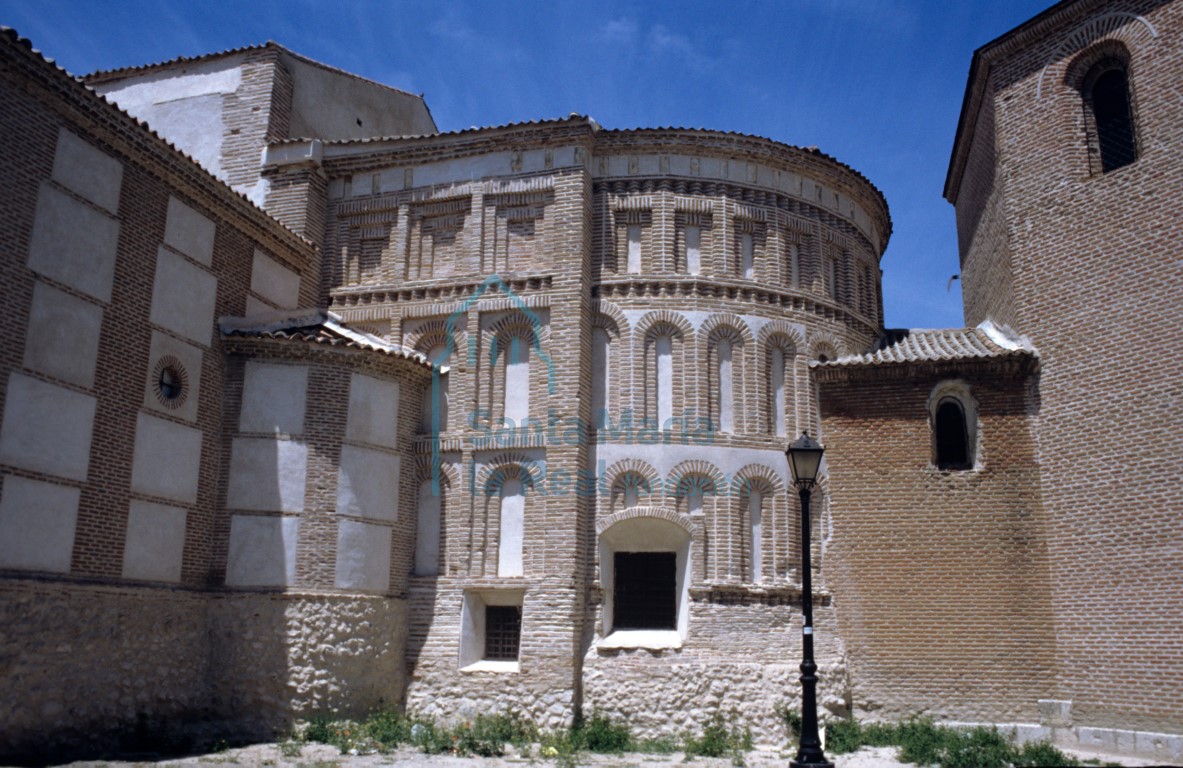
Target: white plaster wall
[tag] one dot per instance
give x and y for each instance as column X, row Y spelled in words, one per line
column 275, row 282
column 262, row 551
column 512, row 528
column 155, row 541
column 665, row 457
column 189, row 232
column 63, row 336
column 37, row 522
column 167, row 459
column 183, row 296
column 189, row 357
column 73, row 243
column 184, row 106
column 267, row 475
column 46, row 428
column 329, row 105
column 363, row 556
column 373, row 411
column 87, row 171
column 427, row 531
column 367, row 483
column 257, row 307
column 274, row 398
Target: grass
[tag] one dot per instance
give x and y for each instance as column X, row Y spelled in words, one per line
column 488, row 735
column 923, row 742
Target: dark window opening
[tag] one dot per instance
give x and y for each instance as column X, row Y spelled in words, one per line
column 952, row 436
column 503, row 632
column 1115, row 123
column 645, row 594
column 170, row 384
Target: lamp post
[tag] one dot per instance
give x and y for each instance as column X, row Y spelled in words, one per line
column 805, row 457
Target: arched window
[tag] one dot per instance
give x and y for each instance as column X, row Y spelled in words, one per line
column 1110, row 115
column 601, row 344
column 952, row 436
column 664, row 349
column 630, row 490
column 517, row 380
column 954, row 426
column 513, row 506
column 726, row 383
column 756, row 533
column 435, row 404
column 427, row 530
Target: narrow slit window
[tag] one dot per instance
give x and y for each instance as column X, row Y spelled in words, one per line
column 952, row 436
column 1114, row 120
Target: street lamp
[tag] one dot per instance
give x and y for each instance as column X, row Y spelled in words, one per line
column 805, row 457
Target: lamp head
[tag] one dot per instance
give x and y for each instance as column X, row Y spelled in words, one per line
column 805, row 458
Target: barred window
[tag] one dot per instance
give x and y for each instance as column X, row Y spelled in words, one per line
column 503, row 632
column 645, row 592
column 1115, row 124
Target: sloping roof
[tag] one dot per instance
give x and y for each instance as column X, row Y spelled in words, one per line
column 139, row 69
column 316, row 326
column 116, row 115
column 924, row 345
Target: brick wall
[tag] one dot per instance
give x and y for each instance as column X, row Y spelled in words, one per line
column 940, row 577
column 1093, row 273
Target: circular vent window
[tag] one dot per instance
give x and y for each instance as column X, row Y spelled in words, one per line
column 170, row 382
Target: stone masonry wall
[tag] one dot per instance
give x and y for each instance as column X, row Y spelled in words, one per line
column 86, row 662
column 294, row 655
column 740, row 660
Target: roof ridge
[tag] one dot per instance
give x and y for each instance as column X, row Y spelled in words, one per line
column 16, row 39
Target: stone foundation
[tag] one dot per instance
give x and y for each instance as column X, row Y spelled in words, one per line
column 88, row 667
column 674, row 692
column 280, row 657
column 81, row 663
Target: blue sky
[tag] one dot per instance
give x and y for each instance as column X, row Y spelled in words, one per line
column 875, row 83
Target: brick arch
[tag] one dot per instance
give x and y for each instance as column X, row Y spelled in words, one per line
column 716, row 326
column 1133, row 30
column 426, row 335
column 826, row 343
column 780, row 328
column 694, row 467
column 659, row 513
column 610, row 317
column 756, row 475
column 624, row 466
column 449, row 476
column 664, row 318
column 505, row 465
column 516, row 325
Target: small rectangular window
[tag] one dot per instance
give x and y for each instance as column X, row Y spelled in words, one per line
column 645, row 593
column 503, row 632
column 634, row 249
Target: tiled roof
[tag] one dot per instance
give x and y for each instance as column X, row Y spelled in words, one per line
column 922, row 345
column 315, row 326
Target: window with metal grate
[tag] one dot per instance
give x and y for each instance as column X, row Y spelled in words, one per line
column 503, row 632
column 645, row 592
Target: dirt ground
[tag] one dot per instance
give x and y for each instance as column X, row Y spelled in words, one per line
column 291, row 755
